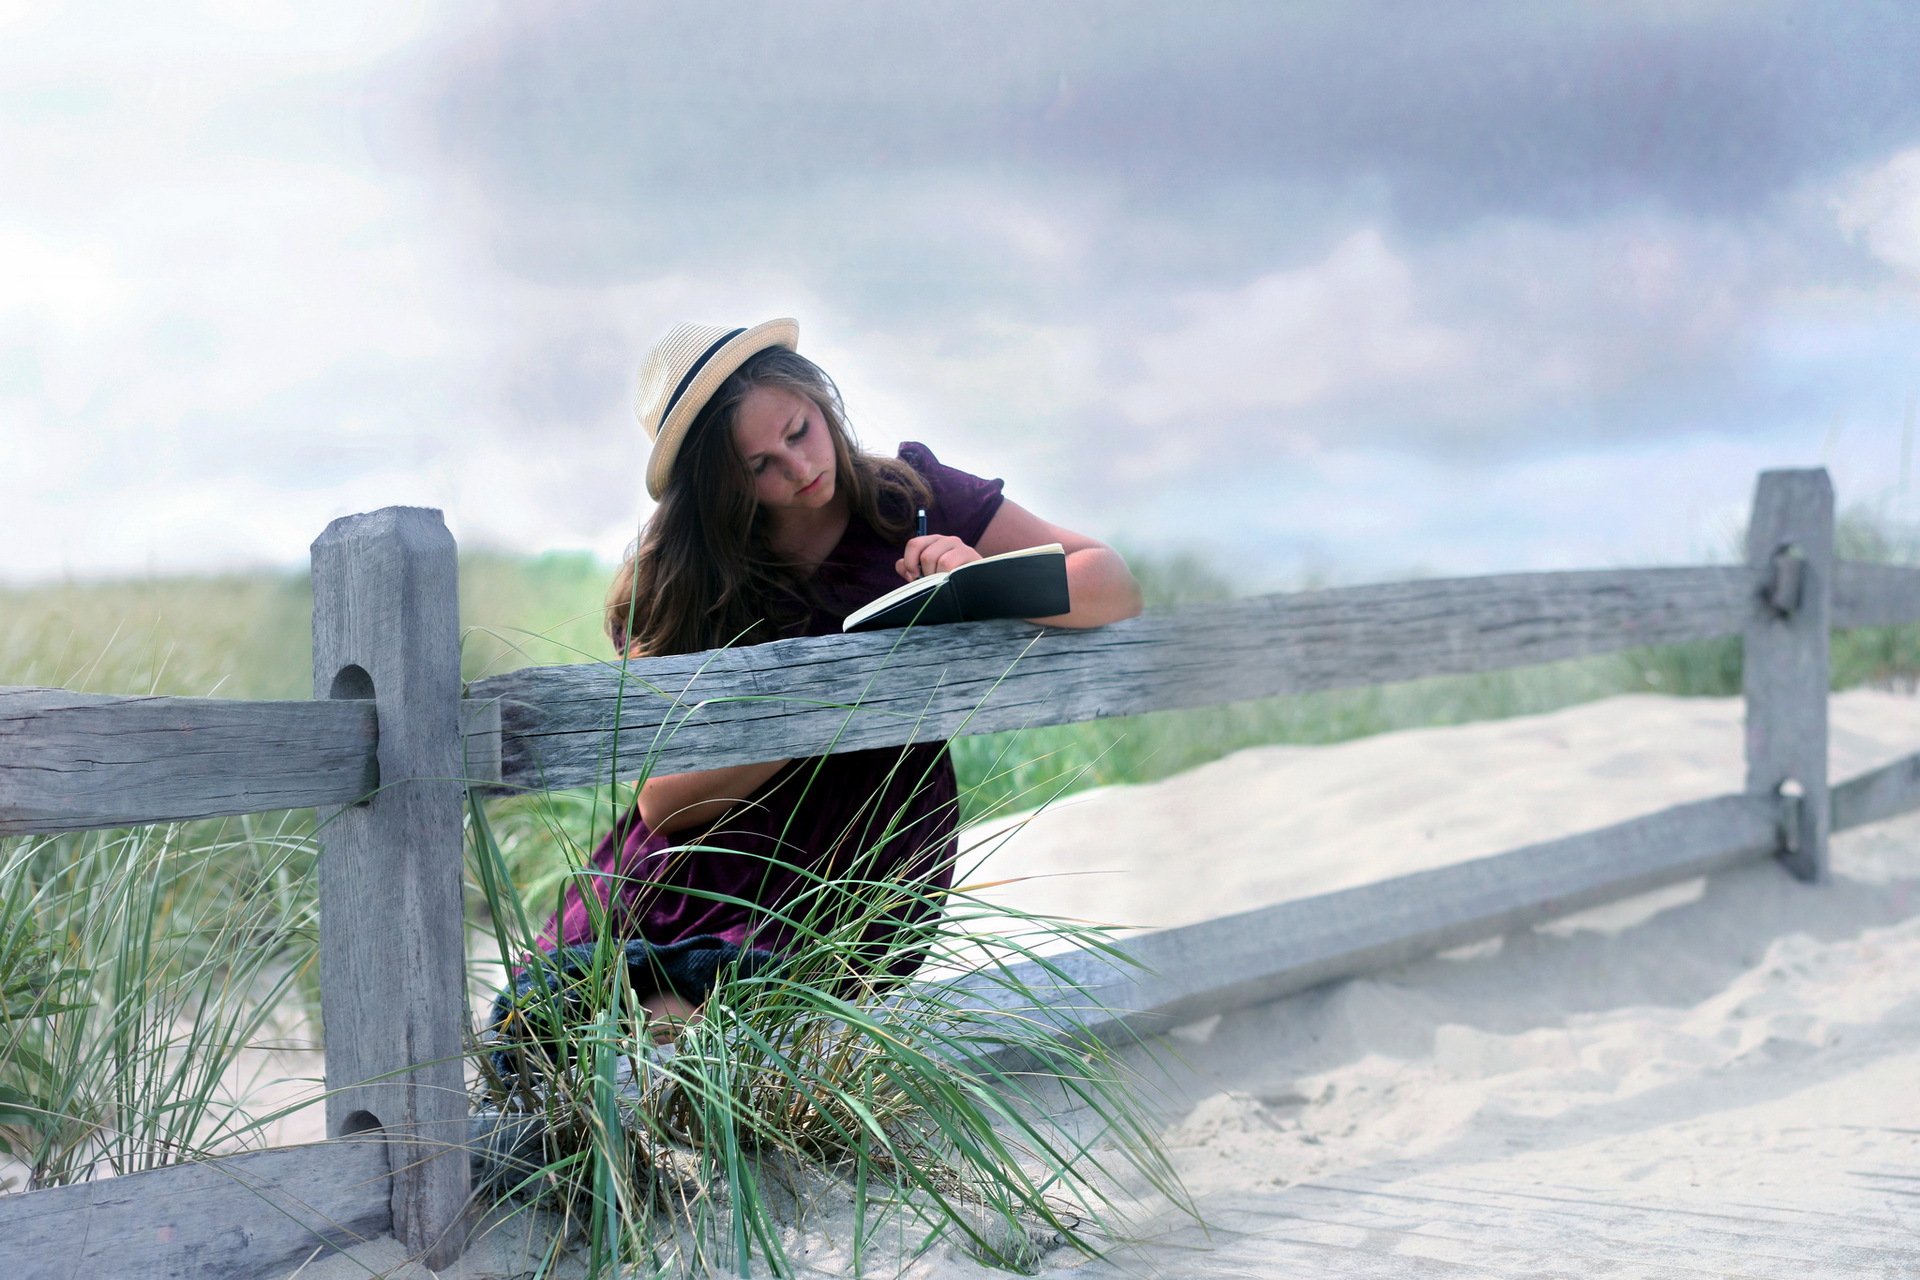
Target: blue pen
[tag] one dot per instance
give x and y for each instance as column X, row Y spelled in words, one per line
column 920, row 518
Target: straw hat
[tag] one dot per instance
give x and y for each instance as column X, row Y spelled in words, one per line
column 681, row 374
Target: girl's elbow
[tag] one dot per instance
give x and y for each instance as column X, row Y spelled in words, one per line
column 657, row 808
column 1125, row 602
column 1113, row 593
column 649, row 811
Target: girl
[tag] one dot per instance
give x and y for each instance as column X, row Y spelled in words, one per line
column 771, row 522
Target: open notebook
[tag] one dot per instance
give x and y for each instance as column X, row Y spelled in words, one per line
column 1030, row 583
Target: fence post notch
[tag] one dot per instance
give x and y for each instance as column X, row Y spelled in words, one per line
column 392, row 946
column 1786, row 667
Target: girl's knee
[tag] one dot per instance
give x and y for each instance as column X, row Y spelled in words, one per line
column 667, row 1014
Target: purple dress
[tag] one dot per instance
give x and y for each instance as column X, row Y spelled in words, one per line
column 884, row 814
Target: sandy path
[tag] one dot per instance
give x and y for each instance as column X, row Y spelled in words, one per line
column 1657, row 1076
column 1745, row 1045
column 1274, row 823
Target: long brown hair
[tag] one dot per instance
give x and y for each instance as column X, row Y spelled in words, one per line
column 703, row 573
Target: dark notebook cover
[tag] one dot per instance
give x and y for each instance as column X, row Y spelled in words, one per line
column 1020, row 584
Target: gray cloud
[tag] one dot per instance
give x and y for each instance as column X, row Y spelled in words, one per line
column 886, row 155
column 1142, row 244
column 1447, row 112
column 1335, row 265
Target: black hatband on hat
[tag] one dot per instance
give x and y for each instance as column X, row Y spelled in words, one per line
column 694, row 369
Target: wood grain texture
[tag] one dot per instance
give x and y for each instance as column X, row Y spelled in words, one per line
column 259, row 1214
column 392, row 959
column 1875, row 796
column 1875, row 595
column 78, row 761
column 74, row 761
column 480, row 741
column 83, row 761
column 1787, row 664
column 1236, row 961
column 802, row 697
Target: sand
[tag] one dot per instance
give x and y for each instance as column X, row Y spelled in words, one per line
column 1743, row 1041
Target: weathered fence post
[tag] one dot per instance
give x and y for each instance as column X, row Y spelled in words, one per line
column 392, row 961
column 1790, row 544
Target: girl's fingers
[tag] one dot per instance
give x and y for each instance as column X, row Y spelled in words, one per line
column 935, row 553
column 919, row 560
column 908, row 566
column 954, row 555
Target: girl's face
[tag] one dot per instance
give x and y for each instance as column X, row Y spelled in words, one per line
column 782, row 436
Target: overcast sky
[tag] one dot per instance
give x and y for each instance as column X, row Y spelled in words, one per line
column 1344, row 289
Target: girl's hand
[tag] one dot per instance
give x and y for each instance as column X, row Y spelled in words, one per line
column 934, row 553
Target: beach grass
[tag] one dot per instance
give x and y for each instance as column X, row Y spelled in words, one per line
column 137, row 970
column 249, row 635
column 143, row 927
column 816, row 1086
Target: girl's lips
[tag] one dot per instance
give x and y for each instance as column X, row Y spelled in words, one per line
column 810, row 485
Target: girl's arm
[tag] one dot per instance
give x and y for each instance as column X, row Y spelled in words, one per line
column 676, row 801
column 1098, row 581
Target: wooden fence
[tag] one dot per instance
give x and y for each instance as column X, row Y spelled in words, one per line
column 391, row 743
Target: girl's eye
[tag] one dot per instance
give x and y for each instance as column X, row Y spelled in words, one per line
column 801, row 432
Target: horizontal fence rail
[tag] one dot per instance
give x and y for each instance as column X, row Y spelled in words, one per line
column 1877, row 795
column 1231, row 962
column 1235, row 961
column 841, row 693
column 73, row 761
column 70, row 761
column 81, row 761
column 259, row 1214
column 1875, row 595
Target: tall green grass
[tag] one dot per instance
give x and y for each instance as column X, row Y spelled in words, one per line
column 250, row 635
column 125, row 956
column 924, row 1113
column 137, row 969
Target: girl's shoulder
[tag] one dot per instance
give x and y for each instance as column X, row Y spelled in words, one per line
column 917, row 456
column 935, row 472
column 962, row 503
